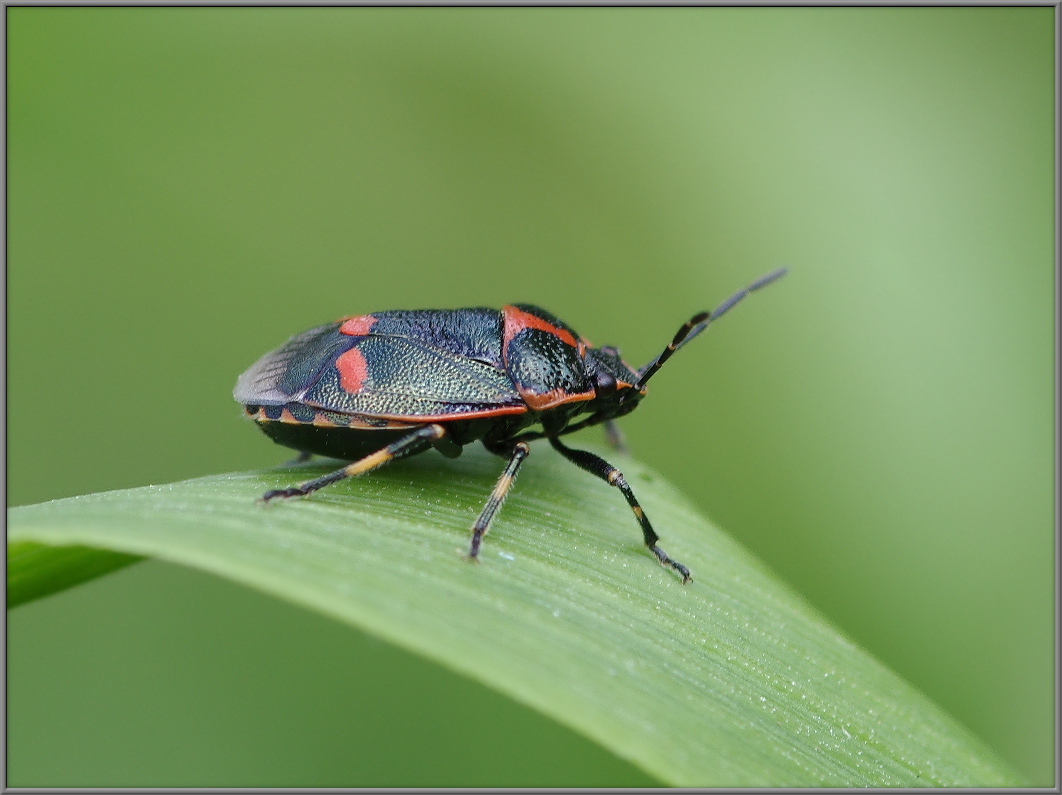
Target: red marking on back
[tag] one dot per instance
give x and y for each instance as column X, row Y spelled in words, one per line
column 357, row 326
column 357, row 422
column 516, row 320
column 414, row 420
column 541, row 401
column 352, row 369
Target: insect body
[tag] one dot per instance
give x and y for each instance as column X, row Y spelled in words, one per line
column 372, row 388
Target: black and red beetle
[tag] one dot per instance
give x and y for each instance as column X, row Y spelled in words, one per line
column 373, row 388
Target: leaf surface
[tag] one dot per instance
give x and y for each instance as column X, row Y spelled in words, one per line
column 731, row 680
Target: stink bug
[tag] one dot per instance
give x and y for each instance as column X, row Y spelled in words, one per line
column 372, row 388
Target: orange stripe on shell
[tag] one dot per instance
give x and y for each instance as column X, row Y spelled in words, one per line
column 555, row 397
column 516, row 320
column 385, row 422
column 357, row 326
column 357, row 422
column 353, row 369
column 421, row 419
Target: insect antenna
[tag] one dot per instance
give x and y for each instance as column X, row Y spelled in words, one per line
column 699, row 322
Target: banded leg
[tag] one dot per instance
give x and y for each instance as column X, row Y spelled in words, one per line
column 415, row 442
column 608, row 473
column 497, row 496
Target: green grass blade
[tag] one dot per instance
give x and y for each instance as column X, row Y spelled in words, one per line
column 729, row 681
column 36, row 570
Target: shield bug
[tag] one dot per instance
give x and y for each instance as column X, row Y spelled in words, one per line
column 372, row 388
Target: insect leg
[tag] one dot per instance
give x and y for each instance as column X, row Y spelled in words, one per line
column 608, row 473
column 497, row 496
column 415, row 442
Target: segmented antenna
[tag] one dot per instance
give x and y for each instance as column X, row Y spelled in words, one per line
column 699, row 322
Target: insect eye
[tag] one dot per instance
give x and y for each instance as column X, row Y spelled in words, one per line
column 604, row 384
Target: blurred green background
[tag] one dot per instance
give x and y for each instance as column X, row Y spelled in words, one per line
column 189, row 187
